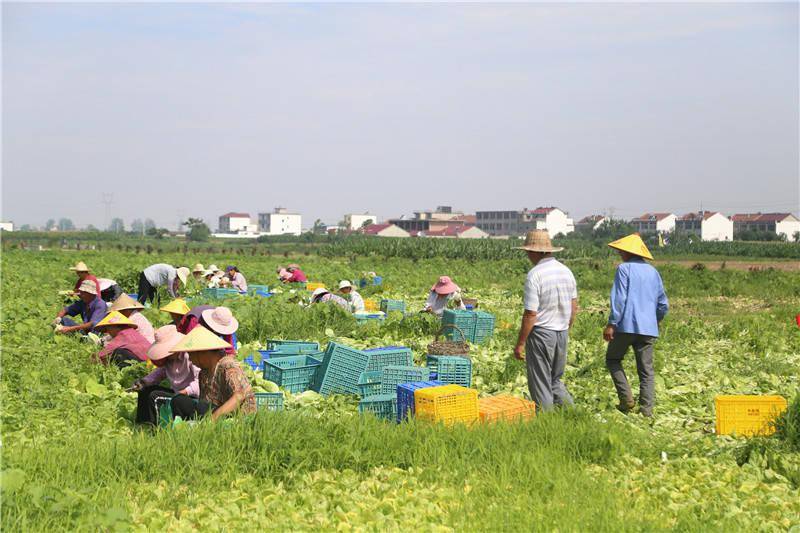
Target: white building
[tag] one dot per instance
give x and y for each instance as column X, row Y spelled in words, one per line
column 234, row 222
column 709, row 225
column 353, row 222
column 655, row 223
column 552, row 219
column 590, row 223
column 280, row 222
column 6, row 226
column 779, row 223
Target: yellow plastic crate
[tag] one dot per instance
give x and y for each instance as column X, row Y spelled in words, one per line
column 448, row 404
column 504, row 407
column 371, row 305
column 748, row 415
column 314, row 286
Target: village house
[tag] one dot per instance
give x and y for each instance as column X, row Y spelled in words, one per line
column 785, row 224
column 655, row 223
column 708, row 225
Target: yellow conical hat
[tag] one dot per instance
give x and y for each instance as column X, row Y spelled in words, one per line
column 125, row 302
column 632, row 244
column 177, row 306
column 199, row 340
column 115, row 318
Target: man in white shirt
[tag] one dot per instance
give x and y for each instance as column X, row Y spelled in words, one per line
column 551, row 303
column 158, row 275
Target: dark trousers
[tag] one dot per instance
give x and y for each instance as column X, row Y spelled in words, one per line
column 111, row 293
column 643, row 350
column 122, row 357
column 149, row 400
column 189, row 408
column 146, row 291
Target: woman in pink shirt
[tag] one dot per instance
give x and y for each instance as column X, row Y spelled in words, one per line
column 127, row 346
column 175, row 367
column 298, row 276
column 131, row 308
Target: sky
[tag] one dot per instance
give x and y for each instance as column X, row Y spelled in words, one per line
column 168, row 111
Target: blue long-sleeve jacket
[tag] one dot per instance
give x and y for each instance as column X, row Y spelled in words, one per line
column 638, row 300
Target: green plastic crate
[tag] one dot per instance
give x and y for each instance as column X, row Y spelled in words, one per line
column 294, row 373
column 269, row 401
column 394, row 375
column 387, row 305
column 382, row 405
column 451, row 369
column 369, row 384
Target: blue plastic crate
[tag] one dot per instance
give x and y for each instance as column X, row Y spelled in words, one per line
column 364, row 282
column 364, row 319
column 251, row 362
column 388, row 355
column 369, row 384
column 388, row 306
column 274, row 354
column 394, row 375
column 133, row 295
column 285, row 345
column 405, row 397
column 340, row 370
column 382, row 405
column 256, row 288
column 294, row 373
column 451, row 369
column 269, row 401
column 219, row 293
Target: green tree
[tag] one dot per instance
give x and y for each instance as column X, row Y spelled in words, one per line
column 137, row 226
column 50, row 224
column 117, row 225
column 149, row 224
column 65, row 224
column 198, row 230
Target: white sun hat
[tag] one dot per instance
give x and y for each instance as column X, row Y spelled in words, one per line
column 344, row 284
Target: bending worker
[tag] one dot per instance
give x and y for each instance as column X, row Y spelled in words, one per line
column 351, row 295
column 444, row 294
column 551, row 303
column 638, row 304
column 161, row 274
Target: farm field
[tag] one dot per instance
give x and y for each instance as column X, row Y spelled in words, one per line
column 72, row 459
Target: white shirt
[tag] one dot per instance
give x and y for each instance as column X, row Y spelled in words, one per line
column 437, row 304
column 549, row 290
column 161, row 274
column 356, row 301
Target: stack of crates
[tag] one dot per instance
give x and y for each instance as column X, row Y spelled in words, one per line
column 387, row 306
column 504, row 407
column 451, row 369
column 448, row 404
column 294, row 372
column 269, row 401
column 341, row 370
column 476, row 326
column 388, row 355
column 218, row 293
column 382, row 405
column 748, row 415
column 405, row 397
column 394, row 375
column 287, row 345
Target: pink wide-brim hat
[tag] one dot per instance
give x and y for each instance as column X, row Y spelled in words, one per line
column 166, row 337
column 221, row 320
column 444, row 286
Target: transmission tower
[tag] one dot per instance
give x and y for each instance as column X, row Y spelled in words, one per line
column 108, row 202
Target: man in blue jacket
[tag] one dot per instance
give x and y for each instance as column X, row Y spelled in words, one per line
column 638, row 304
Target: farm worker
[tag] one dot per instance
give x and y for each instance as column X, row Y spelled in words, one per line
column 177, row 309
column 219, row 320
column 175, row 367
column 83, row 273
column 159, row 275
column 297, row 275
column 127, row 346
column 638, row 304
column 443, row 294
column 551, row 303
column 212, row 281
column 322, row 295
column 130, row 309
column 91, row 308
column 237, row 278
column 224, row 387
column 109, row 290
column 352, row 296
column 283, row 274
column 198, row 272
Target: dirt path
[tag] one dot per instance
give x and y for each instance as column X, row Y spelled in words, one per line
column 787, row 266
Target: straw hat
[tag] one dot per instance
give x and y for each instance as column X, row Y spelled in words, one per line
column 213, row 268
column 292, row 266
column 344, row 284
column 221, row 320
column 198, row 268
column 177, row 306
column 115, row 318
column 166, row 338
column 199, row 340
column 183, row 274
column 444, row 286
column 80, row 267
column 538, row 240
column 89, row 286
column 632, row 244
column 125, row 302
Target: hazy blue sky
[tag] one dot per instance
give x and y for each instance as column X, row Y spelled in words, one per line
column 196, row 110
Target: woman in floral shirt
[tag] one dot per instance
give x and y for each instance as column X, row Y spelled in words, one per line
column 224, row 388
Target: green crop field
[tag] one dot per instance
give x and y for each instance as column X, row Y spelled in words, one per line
column 72, row 459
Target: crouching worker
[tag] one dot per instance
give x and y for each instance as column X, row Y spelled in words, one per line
column 175, row 367
column 130, row 308
column 224, row 387
column 177, row 309
column 127, row 346
column 91, row 308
